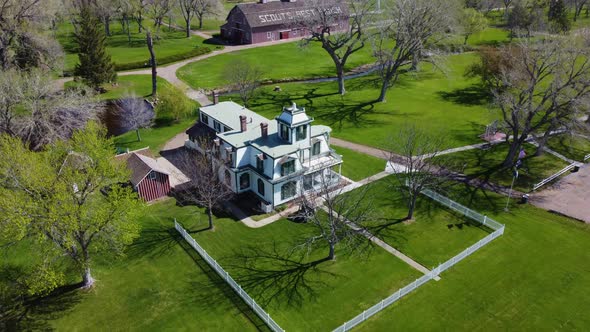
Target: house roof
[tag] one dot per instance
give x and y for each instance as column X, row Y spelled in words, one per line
column 200, row 129
column 286, row 13
column 141, row 166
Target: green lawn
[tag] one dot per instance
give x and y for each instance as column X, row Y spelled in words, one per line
column 442, row 104
column 533, row 278
column 157, row 285
column 140, row 85
column 155, row 137
column 357, row 166
column 434, row 236
column 173, row 46
column 486, row 165
column 285, row 62
column 573, row 147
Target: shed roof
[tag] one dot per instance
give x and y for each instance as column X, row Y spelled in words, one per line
column 285, row 13
column 141, row 166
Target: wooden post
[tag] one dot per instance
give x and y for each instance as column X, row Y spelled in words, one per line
column 150, row 45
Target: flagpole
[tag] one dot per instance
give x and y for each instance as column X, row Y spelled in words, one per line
column 515, row 175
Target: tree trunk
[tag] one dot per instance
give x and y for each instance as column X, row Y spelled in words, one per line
column 128, row 30
column 107, row 26
column 384, row 88
column 188, row 27
column 411, row 207
column 139, row 20
column 340, row 73
column 87, row 280
column 150, row 45
column 465, row 40
column 210, row 216
column 200, row 22
column 512, row 152
column 332, row 254
column 138, row 136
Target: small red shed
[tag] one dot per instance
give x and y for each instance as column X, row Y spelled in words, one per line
column 149, row 179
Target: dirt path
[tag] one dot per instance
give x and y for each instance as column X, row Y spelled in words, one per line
column 570, row 196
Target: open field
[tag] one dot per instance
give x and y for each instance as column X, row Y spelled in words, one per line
column 434, row 236
column 173, row 46
column 287, row 61
column 534, row 277
column 140, row 85
column 487, row 165
column 443, row 104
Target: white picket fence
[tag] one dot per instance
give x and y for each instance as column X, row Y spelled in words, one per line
column 554, row 176
column 586, row 157
column 225, row 276
column 498, row 231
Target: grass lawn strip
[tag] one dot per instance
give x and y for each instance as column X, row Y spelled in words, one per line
column 573, row 147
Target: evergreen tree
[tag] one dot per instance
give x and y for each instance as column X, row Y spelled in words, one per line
column 96, row 66
column 558, row 16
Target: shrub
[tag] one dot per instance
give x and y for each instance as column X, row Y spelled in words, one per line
column 173, row 105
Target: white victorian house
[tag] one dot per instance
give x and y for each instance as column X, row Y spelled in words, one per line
column 276, row 160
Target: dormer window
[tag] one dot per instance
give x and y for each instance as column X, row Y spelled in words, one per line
column 205, row 118
column 288, row 167
column 284, row 132
column 301, row 133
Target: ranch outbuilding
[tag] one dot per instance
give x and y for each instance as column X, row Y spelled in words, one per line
column 252, row 23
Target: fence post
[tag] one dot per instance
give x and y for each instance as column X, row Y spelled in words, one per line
column 267, row 317
column 485, row 218
column 364, row 314
column 382, row 304
column 226, row 275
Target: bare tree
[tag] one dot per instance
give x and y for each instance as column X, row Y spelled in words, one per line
column 135, row 113
column 414, row 159
column 243, row 77
column 401, row 39
column 159, row 9
column 338, row 218
column 341, row 31
column 23, row 43
column 187, row 8
column 203, row 8
column 139, row 7
column 153, row 63
column 205, row 188
column 12, row 93
column 543, row 86
column 126, row 11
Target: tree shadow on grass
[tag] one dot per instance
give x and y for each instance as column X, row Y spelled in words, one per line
column 20, row 312
column 470, row 96
column 217, row 291
column 280, row 276
column 154, row 241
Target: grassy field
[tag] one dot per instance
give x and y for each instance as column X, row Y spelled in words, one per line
column 533, row 278
column 573, row 147
column 155, row 137
column 357, row 166
column 140, row 85
column 158, row 286
column 486, row 165
column 434, row 236
column 442, row 104
column 285, row 61
column 172, row 45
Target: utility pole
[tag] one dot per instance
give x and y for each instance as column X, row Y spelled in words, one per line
column 514, row 177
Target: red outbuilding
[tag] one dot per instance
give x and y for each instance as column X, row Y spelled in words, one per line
column 252, row 23
column 149, row 179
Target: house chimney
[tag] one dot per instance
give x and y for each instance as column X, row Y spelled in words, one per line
column 264, row 129
column 263, row 1
column 215, row 97
column 243, row 123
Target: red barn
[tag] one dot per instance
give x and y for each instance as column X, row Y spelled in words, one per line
column 252, row 23
column 149, row 179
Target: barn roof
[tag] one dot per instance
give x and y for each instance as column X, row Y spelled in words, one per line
column 285, row 13
column 141, row 166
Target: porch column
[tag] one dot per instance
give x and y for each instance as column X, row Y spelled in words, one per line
column 340, row 170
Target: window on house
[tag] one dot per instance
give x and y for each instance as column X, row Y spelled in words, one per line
column 260, row 164
column 244, row 181
column 152, row 175
column 269, row 35
column 205, row 118
column 301, row 132
column 284, row 133
column 288, row 190
column 261, row 187
column 288, row 167
column 316, row 148
column 217, row 126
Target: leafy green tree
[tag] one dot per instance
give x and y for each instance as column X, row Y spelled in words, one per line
column 96, row 66
column 472, row 22
column 68, row 201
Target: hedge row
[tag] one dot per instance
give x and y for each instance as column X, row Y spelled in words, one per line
column 161, row 60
